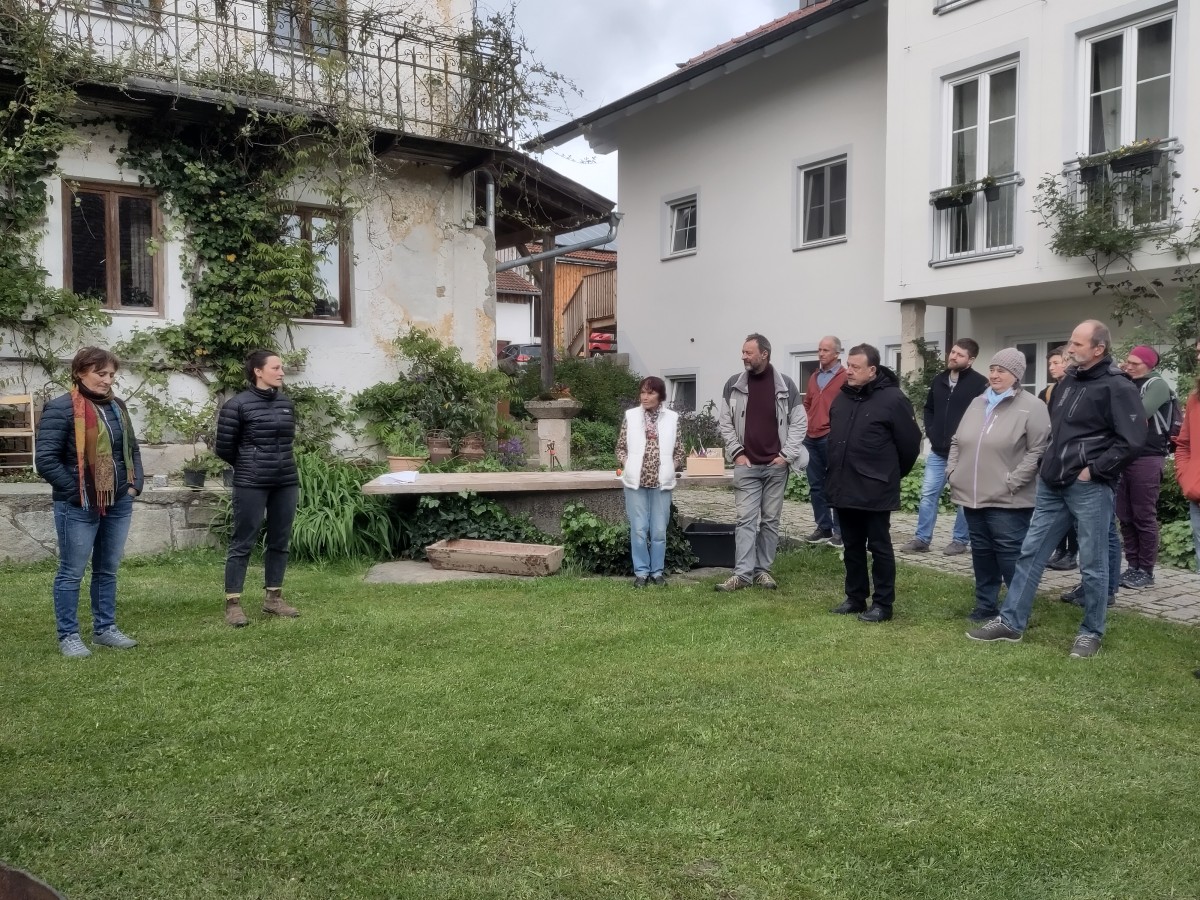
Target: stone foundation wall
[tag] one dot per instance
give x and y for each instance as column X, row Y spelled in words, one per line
column 163, row 519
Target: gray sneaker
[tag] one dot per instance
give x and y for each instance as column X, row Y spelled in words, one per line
column 915, row 546
column 995, row 630
column 836, row 542
column 112, row 637
column 1085, row 646
column 954, row 548
column 732, row 583
column 72, row 647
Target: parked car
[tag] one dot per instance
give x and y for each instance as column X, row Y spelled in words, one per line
column 520, row 353
column 601, row 342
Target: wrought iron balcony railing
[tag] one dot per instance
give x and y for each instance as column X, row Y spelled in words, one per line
column 312, row 57
column 975, row 225
column 1136, row 188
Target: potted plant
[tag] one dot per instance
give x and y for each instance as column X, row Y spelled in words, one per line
column 437, row 442
column 405, row 445
column 472, row 448
column 1144, row 154
column 198, row 468
column 991, row 190
column 955, row 197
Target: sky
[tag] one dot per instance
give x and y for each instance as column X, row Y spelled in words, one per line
column 610, row 48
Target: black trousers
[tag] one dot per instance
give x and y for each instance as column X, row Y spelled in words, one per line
column 867, row 530
column 250, row 505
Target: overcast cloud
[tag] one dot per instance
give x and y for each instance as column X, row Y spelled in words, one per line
column 613, row 47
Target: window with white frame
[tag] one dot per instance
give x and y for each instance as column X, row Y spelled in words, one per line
column 803, row 366
column 1129, row 74
column 823, row 202
column 683, row 393
column 681, row 232
column 1036, row 350
column 981, row 151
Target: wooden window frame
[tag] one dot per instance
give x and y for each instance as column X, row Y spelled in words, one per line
column 305, row 212
column 112, row 192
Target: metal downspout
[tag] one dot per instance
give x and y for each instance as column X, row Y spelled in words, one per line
column 614, row 222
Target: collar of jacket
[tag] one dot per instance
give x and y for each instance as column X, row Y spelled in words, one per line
column 265, row 393
column 1099, row 370
column 743, row 382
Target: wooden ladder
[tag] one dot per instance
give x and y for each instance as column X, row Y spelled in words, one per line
column 12, row 433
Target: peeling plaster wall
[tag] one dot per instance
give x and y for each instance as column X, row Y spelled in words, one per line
column 418, row 260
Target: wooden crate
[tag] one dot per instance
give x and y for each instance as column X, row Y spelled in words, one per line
column 499, row 557
column 712, row 464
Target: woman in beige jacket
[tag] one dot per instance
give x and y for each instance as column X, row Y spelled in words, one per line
column 993, row 465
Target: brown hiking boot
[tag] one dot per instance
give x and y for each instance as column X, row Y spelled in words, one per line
column 275, row 606
column 233, row 613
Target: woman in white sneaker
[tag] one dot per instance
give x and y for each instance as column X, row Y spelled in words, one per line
column 649, row 477
column 86, row 449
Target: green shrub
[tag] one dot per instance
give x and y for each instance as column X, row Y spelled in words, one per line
column 1172, row 504
column 700, row 428
column 589, row 438
column 1175, row 545
column 594, row 545
column 606, row 390
column 436, row 517
column 797, row 488
column 910, row 491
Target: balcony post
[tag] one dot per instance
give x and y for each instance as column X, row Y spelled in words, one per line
column 912, row 328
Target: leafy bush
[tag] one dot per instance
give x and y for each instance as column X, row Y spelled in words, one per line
column 595, row 545
column 593, row 444
column 700, row 428
column 797, row 488
column 910, row 491
column 606, row 390
column 321, row 415
column 436, row 517
column 1172, row 505
column 1175, row 545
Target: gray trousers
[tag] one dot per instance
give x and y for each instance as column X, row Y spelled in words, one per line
column 758, row 500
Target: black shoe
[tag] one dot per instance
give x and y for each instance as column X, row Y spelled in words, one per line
column 1197, row 673
column 819, row 536
column 639, row 582
column 982, row 615
column 836, row 542
column 876, row 613
column 849, row 607
column 658, row 580
column 1063, row 562
column 1074, row 595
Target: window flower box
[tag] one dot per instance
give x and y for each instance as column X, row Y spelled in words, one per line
column 1133, row 162
column 954, row 201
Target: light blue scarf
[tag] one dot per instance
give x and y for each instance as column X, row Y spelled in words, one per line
column 991, row 398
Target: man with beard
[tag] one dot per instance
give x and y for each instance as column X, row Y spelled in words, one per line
column 1097, row 427
column 873, row 443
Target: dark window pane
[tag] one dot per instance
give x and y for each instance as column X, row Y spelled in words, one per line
column 135, row 215
column 1107, row 61
column 814, row 205
column 1154, row 50
column 88, row 270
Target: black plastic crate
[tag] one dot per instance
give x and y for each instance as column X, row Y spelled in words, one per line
column 713, row 543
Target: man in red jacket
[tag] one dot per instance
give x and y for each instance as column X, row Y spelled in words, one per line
column 1187, row 462
column 823, row 385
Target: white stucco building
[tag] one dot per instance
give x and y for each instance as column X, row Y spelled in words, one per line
column 784, row 182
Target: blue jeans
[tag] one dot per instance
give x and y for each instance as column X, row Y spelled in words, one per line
column 818, row 464
column 996, row 538
column 1089, row 505
column 758, row 501
column 649, row 511
column 931, row 492
column 84, row 534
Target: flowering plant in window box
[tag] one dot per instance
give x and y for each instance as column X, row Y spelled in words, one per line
column 955, row 197
column 1144, row 154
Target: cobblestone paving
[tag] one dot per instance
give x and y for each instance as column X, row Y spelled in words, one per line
column 1175, row 595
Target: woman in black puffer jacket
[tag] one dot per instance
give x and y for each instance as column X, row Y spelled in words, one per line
column 255, row 432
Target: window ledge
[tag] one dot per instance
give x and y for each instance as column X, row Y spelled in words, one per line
column 144, row 311
column 334, row 322
column 976, row 257
column 812, row 245
column 680, row 255
column 943, row 8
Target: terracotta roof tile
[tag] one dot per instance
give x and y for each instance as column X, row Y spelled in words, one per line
column 512, row 283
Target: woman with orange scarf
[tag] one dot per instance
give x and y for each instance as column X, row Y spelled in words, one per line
column 86, row 449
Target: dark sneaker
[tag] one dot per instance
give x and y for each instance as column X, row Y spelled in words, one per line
column 981, row 615
column 732, row 583
column 658, row 580
column 112, row 637
column 849, row 607
column 1085, row 646
column 995, row 630
column 954, row 548
column 836, row 542
column 1063, row 562
column 1129, row 575
column 72, row 647
column 915, row 546
column 1074, row 595
column 876, row 613
column 765, row 581
column 1137, row 579
column 639, row 582
column 819, row 536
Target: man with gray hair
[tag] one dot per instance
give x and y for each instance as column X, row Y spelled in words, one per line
column 763, row 426
column 1097, row 426
column 823, row 386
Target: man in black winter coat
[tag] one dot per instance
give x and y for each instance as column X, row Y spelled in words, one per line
column 949, row 396
column 1097, row 427
column 873, row 442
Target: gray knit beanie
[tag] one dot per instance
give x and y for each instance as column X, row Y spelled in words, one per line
column 1012, row 359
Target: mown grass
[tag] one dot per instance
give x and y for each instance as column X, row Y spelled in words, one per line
column 574, row 739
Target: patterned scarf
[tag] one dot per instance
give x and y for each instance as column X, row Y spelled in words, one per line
column 93, row 448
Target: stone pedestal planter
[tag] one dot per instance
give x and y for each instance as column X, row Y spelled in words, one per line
column 554, row 430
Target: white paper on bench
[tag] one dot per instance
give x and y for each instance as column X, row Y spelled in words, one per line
column 397, row 477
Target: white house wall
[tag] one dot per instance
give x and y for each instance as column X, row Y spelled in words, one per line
column 514, row 322
column 736, row 141
column 1044, row 38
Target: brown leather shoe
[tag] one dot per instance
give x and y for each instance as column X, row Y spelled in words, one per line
column 234, row 615
column 275, row 606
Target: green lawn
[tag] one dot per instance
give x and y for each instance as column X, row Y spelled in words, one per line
column 575, row 739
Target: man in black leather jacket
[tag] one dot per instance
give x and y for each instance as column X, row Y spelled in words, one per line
column 1098, row 425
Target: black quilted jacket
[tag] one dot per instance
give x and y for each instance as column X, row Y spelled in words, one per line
column 255, row 432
